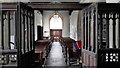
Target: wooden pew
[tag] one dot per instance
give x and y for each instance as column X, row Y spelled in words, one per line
column 40, row 51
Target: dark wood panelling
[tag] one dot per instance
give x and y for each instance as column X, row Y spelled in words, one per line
column 56, row 33
column 104, row 16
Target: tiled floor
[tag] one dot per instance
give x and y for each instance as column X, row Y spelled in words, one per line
column 56, row 57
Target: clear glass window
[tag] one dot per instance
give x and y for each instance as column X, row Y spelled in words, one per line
column 56, row 22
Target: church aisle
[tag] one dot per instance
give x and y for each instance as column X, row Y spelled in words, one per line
column 56, row 57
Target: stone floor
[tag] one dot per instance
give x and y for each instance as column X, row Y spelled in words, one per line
column 56, row 57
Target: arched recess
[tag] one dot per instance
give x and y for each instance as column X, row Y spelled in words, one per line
column 56, row 25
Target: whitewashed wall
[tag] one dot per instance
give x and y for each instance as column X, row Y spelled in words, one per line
column 112, row 1
column 87, row 1
column 38, row 21
column 107, row 1
column 66, row 23
column 73, row 25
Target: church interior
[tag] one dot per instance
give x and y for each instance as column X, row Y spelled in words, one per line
column 59, row 33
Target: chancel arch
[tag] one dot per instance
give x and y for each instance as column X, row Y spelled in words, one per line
column 56, row 25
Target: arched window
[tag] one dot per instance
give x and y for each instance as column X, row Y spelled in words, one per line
column 56, row 22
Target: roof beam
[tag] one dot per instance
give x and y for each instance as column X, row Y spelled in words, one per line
column 58, row 6
column 49, row 6
column 8, row 5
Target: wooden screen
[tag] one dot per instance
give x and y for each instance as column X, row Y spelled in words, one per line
column 56, row 34
column 101, row 35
